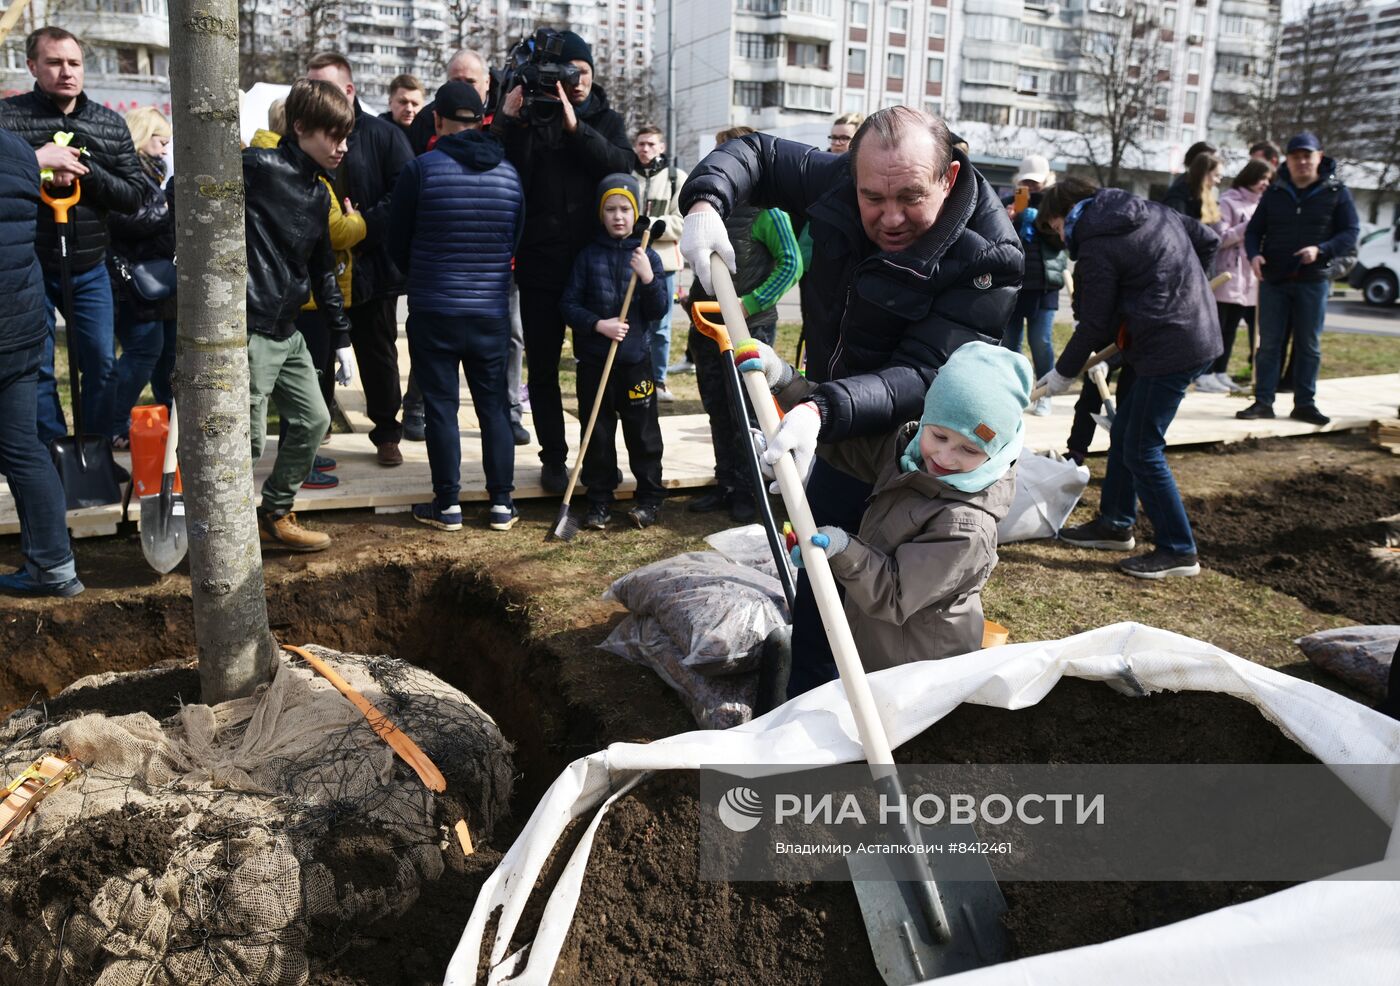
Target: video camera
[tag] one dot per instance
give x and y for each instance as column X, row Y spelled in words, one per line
column 534, row 64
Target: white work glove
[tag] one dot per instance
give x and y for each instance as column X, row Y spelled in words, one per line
column 702, row 235
column 1054, row 383
column 1098, row 373
column 776, row 370
column 344, row 365
column 798, row 435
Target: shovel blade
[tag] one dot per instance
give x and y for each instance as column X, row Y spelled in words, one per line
column 163, row 537
column 905, row 948
column 87, row 471
column 1103, row 421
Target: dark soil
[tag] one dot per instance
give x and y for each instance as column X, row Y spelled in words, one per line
column 1307, row 536
column 645, row 917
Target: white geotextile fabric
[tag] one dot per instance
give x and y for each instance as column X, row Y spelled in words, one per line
column 1047, row 489
column 1305, row 934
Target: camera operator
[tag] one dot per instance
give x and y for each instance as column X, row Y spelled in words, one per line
column 563, row 139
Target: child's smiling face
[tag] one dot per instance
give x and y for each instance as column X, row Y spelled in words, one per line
column 945, row 451
column 618, row 216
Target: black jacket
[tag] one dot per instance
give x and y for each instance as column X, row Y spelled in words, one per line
column 289, row 244
column 388, row 117
column 113, row 182
column 1181, row 197
column 377, row 152
column 881, row 324
column 146, row 234
column 596, row 288
column 560, row 173
column 1142, row 266
column 23, row 321
column 1287, row 219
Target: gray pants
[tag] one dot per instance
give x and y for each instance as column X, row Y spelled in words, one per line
column 515, row 355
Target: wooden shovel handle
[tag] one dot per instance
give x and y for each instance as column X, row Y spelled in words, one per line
column 1106, row 353
column 411, row 753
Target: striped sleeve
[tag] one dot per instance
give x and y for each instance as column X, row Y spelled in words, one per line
column 773, row 229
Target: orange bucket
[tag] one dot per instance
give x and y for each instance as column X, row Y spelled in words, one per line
column 150, row 423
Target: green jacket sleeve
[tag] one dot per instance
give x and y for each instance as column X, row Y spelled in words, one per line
column 773, row 229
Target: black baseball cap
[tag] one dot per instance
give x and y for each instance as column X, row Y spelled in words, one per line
column 458, row 101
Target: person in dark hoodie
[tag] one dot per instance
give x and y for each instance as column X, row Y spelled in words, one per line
column 1305, row 222
column 289, row 257
column 458, row 212
column 1179, row 194
column 560, row 157
column 1140, row 282
column 591, row 304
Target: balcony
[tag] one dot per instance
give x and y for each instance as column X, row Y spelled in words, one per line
column 121, row 28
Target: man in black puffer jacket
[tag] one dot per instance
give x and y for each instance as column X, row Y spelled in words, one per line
column 48, row 557
column 912, row 256
column 378, row 154
column 560, row 161
column 110, row 178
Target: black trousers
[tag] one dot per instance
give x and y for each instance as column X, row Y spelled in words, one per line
column 726, row 434
column 1081, row 432
column 1230, row 316
column 373, row 329
column 544, row 341
column 630, row 398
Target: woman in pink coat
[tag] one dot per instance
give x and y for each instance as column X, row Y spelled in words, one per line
column 1237, row 298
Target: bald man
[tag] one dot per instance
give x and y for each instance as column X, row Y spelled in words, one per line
column 466, row 66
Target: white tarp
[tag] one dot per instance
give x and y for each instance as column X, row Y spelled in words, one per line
column 1324, row 932
column 1047, row 489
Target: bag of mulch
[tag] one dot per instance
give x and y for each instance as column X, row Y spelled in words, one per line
column 748, row 546
column 1360, row 656
column 715, row 703
column 1048, row 488
column 718, row 613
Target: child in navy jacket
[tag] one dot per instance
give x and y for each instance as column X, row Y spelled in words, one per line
column 591, row 304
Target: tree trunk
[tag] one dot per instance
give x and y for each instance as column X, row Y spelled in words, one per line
column 211, row 367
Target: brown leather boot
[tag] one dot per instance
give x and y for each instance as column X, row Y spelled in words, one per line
column 284, row 530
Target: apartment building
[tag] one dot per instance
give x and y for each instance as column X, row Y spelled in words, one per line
column 623, row 38
column 128, row 49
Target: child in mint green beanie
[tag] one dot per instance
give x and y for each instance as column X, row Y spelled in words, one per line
column 913, row 574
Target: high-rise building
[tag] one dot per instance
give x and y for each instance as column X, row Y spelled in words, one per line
column 623, row 37
column 127, row 42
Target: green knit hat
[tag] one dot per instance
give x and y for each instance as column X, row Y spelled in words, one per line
column 982, row 393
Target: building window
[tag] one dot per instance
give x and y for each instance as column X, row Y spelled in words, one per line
column 808, row 54
column 855, row 61
column 937, row 25
column 1028, row 80
column 935, row 69
column 1198, row 24
column 759, row 6
column 804, row 97
column 899, row 19
column 990, row 27
column 756, row 46
column 894, row 65
column 1233, row 25
column 860, row 13
column 748, row 95
column 853, row 102
column 982, row 71
column 933, row 107
column 821, row 8
column 1193, row 63
column 1031, row 35
column 891, row 100
column 1190, row 106
column 986, row 113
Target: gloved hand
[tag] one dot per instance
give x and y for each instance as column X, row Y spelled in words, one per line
column 702, row 235
column 1098, row 373
column 344, row 365
column 798, row 435
column 832, row 540
column 1054, row 383
column 754, row 354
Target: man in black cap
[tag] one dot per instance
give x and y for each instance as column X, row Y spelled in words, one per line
column 1305, row 222
column 455, row 224
column 561, row 156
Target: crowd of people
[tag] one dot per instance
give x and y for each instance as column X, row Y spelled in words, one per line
column 506, row 217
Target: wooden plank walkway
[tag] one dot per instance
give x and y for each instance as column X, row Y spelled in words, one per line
column 689, row 463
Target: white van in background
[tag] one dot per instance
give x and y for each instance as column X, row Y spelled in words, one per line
column 1377, row 270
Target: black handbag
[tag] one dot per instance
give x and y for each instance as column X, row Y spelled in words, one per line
column 153, row 280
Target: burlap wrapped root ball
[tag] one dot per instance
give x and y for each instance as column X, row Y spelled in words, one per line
column 231, row 843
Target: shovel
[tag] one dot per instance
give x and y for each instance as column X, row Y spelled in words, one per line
column 84, row 462
column 720, row 334
column 1099, row 374
column 566, row 524
column 918, row 929
column 163, row 514
column 1106, row 353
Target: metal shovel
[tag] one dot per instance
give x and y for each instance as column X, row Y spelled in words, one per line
column 918, row 929
column 1099, row 374
column 163, row 538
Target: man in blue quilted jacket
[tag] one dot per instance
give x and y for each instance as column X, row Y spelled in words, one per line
column 457, row 216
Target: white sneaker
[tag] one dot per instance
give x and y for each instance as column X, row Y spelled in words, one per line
column 665, row 396
column 1041, row 407
column 1207, row 384
column 1227, row 383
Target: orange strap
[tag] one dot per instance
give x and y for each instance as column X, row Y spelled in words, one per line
column 408, row 750
column 23, row 794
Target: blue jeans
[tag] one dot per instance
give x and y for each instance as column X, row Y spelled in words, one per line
column 1304, row 305
column 29, row 471
column 661, row 336
column 91, row 332
column 142, row 344
column 1040, row 327
column 165, row 366
column 1137, row 461
column 437, row 346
